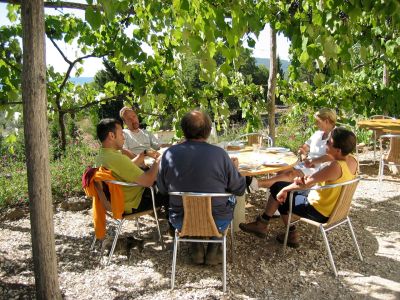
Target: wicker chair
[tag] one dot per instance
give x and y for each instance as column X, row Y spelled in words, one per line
column 339, row 216
column 392, row 158
column 257, row 138
column 99, row 185
column 198, row 222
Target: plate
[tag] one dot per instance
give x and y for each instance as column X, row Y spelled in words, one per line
column 277, row 149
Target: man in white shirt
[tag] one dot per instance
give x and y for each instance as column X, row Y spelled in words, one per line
column 137, row 140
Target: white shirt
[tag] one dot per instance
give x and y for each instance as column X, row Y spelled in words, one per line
column 317, row 148
column 317, row 144
column 139, row 141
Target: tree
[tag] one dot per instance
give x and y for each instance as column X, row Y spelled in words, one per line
column 36, row 141
column 272, row 84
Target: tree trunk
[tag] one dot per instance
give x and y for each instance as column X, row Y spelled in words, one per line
column 272, row 84
column 37, row 150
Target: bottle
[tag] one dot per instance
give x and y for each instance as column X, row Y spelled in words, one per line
column 213, row 139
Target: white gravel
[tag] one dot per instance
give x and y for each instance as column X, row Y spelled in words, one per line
column 260, row 270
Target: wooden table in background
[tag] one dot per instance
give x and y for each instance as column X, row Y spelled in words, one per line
column 382, row 126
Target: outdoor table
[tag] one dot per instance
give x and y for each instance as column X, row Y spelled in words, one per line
column 386, row 126
column 260, row 162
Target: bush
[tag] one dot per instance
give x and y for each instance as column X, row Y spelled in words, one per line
column 295, row 128
column 65, row 172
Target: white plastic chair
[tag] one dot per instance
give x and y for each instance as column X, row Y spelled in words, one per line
column 198, row 222
column 339, row 216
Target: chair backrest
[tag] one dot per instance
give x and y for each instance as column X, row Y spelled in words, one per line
column 257, row 138
column 198, row 219
column 342, row 206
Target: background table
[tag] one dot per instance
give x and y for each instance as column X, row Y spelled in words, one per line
column 384, row 126
column 248, row 157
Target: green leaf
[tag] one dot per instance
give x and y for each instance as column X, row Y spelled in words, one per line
column 93, row 17
column 319, row 79
column 330, row 47
column 195, row 43
column 304, row 57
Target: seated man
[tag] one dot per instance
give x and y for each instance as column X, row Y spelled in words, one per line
column 137, row 140
column 109, row 132
column 316, row 205
column 197, row 166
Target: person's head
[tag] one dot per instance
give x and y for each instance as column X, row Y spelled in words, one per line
column 129, row 116
column 325, row 119
column 341, row 139
column 196, row 125
column 109, row 132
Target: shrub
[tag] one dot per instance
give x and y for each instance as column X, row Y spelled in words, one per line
column 65, row 172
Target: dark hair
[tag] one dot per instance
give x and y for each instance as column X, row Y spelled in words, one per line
column 343, row 139
column 196, row 125
column 105, row 126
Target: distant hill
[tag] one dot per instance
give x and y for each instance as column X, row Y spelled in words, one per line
column 81, row 80
column 265, row 62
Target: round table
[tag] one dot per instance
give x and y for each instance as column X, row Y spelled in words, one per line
column 261, row 162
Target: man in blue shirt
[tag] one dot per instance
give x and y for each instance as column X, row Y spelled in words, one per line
column 197, row 166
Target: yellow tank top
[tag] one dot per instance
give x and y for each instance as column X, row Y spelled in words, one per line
column 324, row 200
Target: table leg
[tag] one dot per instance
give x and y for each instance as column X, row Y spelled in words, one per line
column 239, row 215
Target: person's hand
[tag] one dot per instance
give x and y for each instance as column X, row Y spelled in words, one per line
column 308, row 163
column 139, row 159
column 151, row 153
column 281, row 197
column 235, row 162
column 299, row 180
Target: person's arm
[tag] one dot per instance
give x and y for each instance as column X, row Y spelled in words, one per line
column 236, row 182
column 309, row 163
column 128, row 153
column 329, row 173
column 147, row 178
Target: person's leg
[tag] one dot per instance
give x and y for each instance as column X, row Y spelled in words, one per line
column 260, row 226
column 286, row 176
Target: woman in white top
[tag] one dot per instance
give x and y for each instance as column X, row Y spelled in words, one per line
column 313, row 152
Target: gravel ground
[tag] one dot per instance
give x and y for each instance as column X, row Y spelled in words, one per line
column 260, row 269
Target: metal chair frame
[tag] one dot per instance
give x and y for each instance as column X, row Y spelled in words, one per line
column 178, row 238
column 119, row 223
column 382, row 160
column 339, row 216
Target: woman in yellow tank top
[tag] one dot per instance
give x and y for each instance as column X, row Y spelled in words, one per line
column 317, row 205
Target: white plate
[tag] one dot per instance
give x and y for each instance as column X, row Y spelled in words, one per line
column 277, row 149
column 236, row 144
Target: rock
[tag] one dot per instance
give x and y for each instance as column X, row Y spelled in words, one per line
column 14, row 214
column 76, row 204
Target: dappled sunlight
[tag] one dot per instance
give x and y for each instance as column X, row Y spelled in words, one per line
column 388, row 241
column 372, row 286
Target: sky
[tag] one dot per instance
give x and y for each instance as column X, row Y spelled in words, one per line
column 92, row 65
